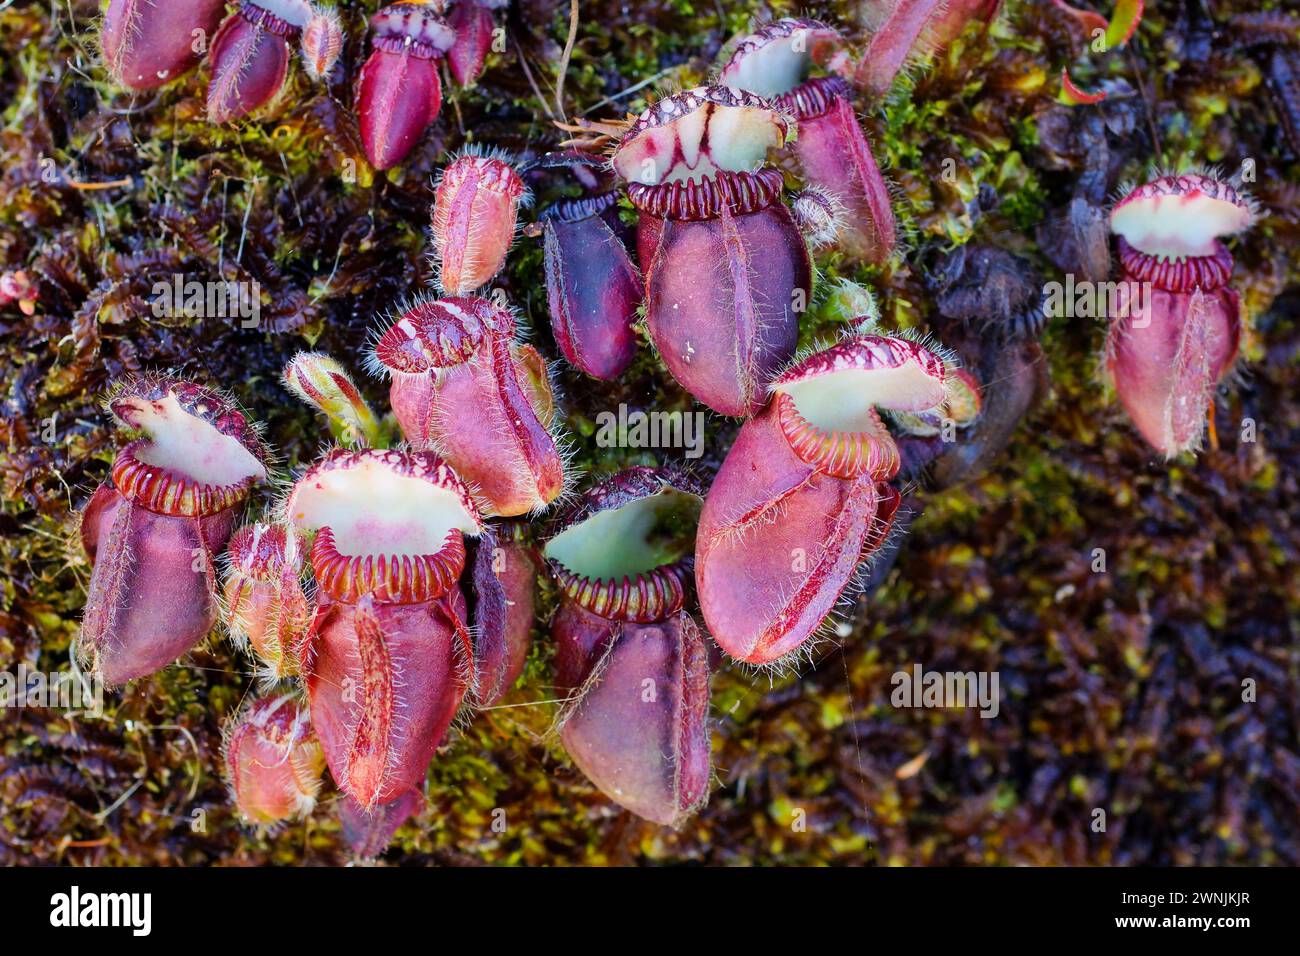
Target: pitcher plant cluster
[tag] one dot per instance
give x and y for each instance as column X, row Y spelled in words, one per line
column 396, row 584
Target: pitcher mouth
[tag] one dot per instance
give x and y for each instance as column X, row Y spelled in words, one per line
column 694, row 135
column 1181, row 216
column 776, row 61
column 827, row 404
column 411, row 27
column 580, row 208
column 389, row 524
column 841, row 454
column 813, row 97
column 690, row 201
column 1207, row 272
column 199, row 455
column 284, row 18
column 626, row 552
column 962, row 404
column 390, row 578
column 170, row 491
column 642, row 598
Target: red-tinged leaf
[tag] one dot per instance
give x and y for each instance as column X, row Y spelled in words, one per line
column 1085, row 18
column 1124, row 22
column 1073, row 96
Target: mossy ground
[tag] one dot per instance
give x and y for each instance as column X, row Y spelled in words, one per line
column 1122, row 690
